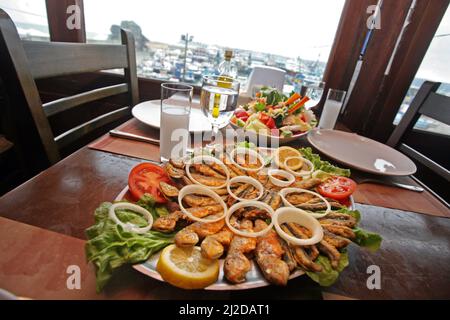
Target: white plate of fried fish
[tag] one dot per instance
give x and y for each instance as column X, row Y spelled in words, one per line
column 245, row 261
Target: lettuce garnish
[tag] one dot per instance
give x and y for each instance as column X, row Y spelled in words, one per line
column 109, row 246
column 324, row 166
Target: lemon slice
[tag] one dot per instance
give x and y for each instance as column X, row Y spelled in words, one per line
column 186, row 268
column 295, row 160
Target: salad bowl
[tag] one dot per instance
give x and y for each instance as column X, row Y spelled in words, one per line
column 275, row 117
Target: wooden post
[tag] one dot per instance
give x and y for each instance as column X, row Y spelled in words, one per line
column 347, row 45
column 66, row 20
column 376, row 60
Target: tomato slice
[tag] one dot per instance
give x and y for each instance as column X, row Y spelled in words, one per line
column 338, row 188
column 271, row 123
column 244, row 118
column 145, row 178
column 241, row 114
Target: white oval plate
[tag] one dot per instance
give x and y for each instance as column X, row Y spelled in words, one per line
column 361, row 153
column 255, row 279
column 149, row 112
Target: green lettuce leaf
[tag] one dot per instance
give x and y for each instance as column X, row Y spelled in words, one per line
column 323, row 165
column 109, row 246
column 161, row 211
column 272, row 95
column 369, row 240
column 328, row 275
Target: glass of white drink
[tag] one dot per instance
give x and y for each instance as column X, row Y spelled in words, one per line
column 176, row 101
column 218, row 101
column 331, row 109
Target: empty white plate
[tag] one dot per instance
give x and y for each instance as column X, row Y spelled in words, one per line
column 149, row 112
column 361, row 153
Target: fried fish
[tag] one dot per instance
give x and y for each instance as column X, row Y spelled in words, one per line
column 268, row 254
column 237, row 265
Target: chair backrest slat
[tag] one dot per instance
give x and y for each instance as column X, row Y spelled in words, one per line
column 51, row 59
column 426, row 102
column 437, row 107
column 412, row 114
column 5, row 145
column 76, row 133
column 67, row 103
column 435, row 167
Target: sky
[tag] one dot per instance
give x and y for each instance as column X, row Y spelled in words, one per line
column 436, row 64
column 290, row 28
column 32, row 11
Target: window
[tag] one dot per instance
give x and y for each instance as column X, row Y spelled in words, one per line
column 30, row 18
column 435, row 67
column 295, row 36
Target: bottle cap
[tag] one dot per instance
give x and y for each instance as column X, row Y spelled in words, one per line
column 228, row 54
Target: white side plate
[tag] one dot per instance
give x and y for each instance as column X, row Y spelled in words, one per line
column 361, row 153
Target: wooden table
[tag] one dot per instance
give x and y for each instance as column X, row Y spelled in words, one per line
column 42, row 233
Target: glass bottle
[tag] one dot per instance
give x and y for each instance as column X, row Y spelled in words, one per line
column 226, row 67
column 227, row 73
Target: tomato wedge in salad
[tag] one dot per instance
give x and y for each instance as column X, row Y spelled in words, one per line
column 338, row 188
column 145, row 178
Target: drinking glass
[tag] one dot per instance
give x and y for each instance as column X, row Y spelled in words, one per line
column 218, row 100
column 314, row 90
column 176, row 102
column 331, row 109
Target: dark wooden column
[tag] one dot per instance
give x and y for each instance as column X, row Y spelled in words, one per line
column 412, row 49
column 376, row 60
column 347, row 45
column 57, row 21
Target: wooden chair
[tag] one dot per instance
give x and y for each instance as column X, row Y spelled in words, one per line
column 5, row 145
column 427, row 102
column 33, row 60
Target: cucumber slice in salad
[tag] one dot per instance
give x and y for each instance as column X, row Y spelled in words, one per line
column 286, row 134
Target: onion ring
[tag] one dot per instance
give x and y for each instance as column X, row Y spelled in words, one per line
column 302, row 173
column 303, row 218
column 200, row 159
column 280, row 183
column 287, row 191
column 131, row 227
column 248, row 180
column 257, row 204
column 198, row 189
column 250, row 152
